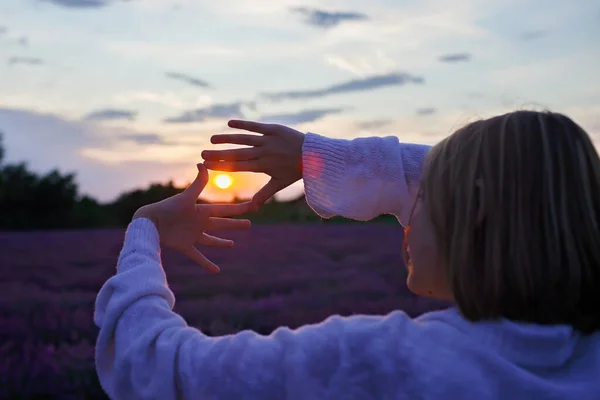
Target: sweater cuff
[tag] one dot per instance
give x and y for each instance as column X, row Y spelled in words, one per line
column 142, row 237
column 323, row 166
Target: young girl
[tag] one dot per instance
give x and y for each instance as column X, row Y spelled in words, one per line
column 503, row 220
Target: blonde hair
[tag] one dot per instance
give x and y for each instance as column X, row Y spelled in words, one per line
column 533, row 253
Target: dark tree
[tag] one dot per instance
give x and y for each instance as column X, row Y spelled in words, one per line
column 126, row 204
column 1, row 147
column 29, row 201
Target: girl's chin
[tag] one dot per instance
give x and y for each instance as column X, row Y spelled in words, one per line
column 409, row 282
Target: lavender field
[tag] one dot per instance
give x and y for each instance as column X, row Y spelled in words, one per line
column 276, row 275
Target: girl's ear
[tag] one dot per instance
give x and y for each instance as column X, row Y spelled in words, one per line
column 480, row 201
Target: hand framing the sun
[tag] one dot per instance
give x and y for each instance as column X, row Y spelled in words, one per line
column 181, row 223
column 277, row 153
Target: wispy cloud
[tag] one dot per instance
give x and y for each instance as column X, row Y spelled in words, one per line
column 144, row 138
column 226, row 110
column 187, row 79
column 356, row 68
column 475, row 95
column 80, row 3
column 300, row 117
column 356, row 85
column 22, row 40
column 328, row 19
column 111, row 115
column 159, row 51
column 25, row 61
column 372, row 63
column 374, row 124
column 455, row 57
column 166, row 99
column 532, row 35
column 426, row 111
column 69, row 144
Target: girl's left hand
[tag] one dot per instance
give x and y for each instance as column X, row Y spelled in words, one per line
column 181, row 223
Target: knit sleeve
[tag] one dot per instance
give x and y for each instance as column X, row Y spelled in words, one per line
column 146, row 351
column 361, row 178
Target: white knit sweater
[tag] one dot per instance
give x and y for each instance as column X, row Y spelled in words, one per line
column 146, row 351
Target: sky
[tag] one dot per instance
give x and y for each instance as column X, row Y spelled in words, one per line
column 128, row 92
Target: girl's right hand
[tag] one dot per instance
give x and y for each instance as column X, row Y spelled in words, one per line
column 277, row 153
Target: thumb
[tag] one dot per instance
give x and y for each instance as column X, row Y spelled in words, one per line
column 266, row 192
column 199, row 183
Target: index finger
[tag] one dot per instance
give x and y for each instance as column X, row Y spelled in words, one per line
column 229, row 210
column 241, row 139
column 195, row 255
column 251, row 126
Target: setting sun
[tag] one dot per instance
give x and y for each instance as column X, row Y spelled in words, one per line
column 223, row 181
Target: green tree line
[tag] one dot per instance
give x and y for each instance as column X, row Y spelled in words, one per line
column 29, row 201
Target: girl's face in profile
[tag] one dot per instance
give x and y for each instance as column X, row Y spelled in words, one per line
column 426, row 272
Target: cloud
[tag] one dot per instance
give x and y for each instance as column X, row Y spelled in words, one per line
column 159, row 51
column 455, row 57
column 166, row 99
column 372, row 63
column 187, row 79
column 25, row 61
column 23, row 41
column 300, row 117
column 374, row 124
column 3, row 30
column 475, row 95
column 532, row 35
column 224, row 111
column 328, row 19
column 80, row 3
column 65, row 144
column 426, row 111
column 26, row 127
column 355, row 68
column 143, row 138
column 356, row 85
column 110, row 115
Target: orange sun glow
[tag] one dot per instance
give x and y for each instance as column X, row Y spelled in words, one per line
column 223, row 181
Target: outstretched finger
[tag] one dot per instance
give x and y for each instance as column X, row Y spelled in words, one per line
column 213, row 241
column 232, row 154
column 229, row 210
column 241, row 139
column 198, row 185
column 217, row 223
column 235, row 166
column 199, row 258
column 266, row 192
column 251, row 126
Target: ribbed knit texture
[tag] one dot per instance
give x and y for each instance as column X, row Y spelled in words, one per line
column 361, row 178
